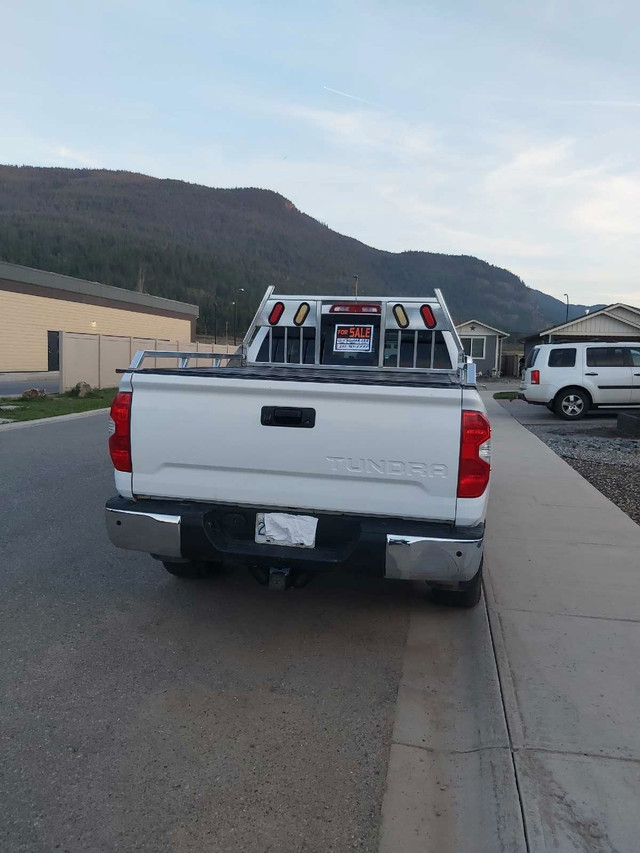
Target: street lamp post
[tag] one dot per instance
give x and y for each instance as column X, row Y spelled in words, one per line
column 235, row 316
column 566, row 317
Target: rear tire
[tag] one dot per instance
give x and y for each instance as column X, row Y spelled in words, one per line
column 571, row 404
column 193, row 570
column 467, row 596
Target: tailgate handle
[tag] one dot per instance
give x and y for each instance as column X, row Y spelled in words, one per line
column 284, row 416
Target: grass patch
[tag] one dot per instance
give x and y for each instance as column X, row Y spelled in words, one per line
column 505, row 395
column 55, row 404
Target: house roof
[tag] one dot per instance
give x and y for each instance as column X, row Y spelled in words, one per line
column 55, row 281
column 486, row 325
column 608, row 310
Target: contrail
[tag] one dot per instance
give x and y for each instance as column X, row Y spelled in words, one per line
column 353, row 97
column 597, row 103
column 570, row 102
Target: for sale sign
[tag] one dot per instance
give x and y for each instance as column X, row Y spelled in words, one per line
column 353, row 338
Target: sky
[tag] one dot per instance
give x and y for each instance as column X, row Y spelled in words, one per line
column 508, row 131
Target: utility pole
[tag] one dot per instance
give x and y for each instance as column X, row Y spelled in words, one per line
column 141, row 278
column 235, row 315
column 566, row 318
column 355, row 285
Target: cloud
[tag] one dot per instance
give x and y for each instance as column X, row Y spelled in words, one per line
column 364, row 130
column 613, row 207
column 76, row 158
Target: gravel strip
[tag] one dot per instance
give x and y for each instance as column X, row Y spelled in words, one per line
column 608, row 461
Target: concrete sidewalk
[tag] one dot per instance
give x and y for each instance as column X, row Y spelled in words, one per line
column 562, row 571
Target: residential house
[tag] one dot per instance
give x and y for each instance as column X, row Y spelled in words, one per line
column 484, row 344
column 617, row 322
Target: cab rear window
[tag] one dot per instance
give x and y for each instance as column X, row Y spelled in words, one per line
column 565, row 357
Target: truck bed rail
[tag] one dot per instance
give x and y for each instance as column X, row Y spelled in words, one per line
column 183, row 356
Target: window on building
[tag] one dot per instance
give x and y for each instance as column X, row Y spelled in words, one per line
column 474, row 347
column 605, row 356
column 562, row 357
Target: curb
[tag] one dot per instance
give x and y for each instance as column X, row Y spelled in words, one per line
column 56, row 418
column 450, row 782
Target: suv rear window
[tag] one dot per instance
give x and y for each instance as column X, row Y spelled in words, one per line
column 605, row 357
column 531, row 358
column 562, row 357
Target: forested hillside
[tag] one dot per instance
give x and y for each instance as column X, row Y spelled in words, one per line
column 203, row 245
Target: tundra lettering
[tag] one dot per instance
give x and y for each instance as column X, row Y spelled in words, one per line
column 393, row 468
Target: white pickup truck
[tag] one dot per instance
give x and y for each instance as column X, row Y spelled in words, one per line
column 348, row 436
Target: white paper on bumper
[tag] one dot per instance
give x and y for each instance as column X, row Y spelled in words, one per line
column 298, row 531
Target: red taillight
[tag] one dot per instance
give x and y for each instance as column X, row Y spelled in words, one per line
column 276, row 313
column 120, row 438
column 354, row 308
column 535, row 377
column 427, row 317
column 475, row 455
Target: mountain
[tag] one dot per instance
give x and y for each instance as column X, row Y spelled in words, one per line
column 204, row 245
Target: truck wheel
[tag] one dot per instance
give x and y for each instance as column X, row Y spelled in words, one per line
column 467, row 596
column 193, row 569
column 571, row 404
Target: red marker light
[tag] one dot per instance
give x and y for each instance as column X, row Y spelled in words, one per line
column 354, row 308
column 276, row 313
column 535, row 377
column 427, row 317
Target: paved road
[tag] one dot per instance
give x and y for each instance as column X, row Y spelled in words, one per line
column 13, row 384
column 142, row 713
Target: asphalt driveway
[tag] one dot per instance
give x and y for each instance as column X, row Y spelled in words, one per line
column 526, row 413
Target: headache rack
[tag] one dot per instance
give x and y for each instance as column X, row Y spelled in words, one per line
column 410, row 334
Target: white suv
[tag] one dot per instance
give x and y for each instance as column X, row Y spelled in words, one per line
column 572, row 378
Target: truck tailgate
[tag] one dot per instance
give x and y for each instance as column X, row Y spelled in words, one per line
column 372, row 448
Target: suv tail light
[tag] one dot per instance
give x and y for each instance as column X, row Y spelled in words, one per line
column 120, row 431
column 535, row 377
column 475, row 455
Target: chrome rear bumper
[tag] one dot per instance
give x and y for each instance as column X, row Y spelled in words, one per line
column 430, row 559
column 151, row 532
column 174, row 534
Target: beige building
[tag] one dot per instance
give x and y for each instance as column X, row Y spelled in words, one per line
column 36, row 305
